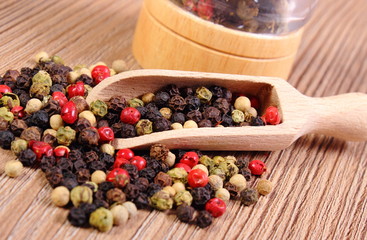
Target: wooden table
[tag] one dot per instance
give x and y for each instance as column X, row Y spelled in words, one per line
column 321, row 182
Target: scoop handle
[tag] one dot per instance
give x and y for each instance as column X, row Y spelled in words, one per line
column 342, row 116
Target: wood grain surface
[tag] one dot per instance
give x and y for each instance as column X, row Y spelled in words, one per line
column 320, row 182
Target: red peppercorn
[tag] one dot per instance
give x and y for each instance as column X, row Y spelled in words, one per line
column 69, row 113
column 119, row 177
column 18, row 112
column 61, row 151
column 77, row 89
column 130, row 115
column 125, row 153
column 100, row 73
column 255, row 102
column 41, row 148
column 60, row 98
column 205, row 9
column 271, row 116
column 4, row 89
column 139, row 162
column 105, row 134
column 216, row 207
column 197, row 178
column 183, row 166
column 257, row 167
column 119, row 162
column 190, row 158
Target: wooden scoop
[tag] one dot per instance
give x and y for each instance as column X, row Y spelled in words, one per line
column 343, row 116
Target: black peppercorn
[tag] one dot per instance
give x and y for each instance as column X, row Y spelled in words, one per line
column 227, row 120
column 65, row 164
column 11, row 75
column 96, row 165
column 132, row 170
column 89, row 136
column 222, row 104
column 75, row 154
column 27, row 71
column 69, row 183
column 18, row 126
column 205, row 123
column 246, row 173
column 194, row 115
column 249, row 196
column 128, row 131
column 77, row 217
column 107, row 159
column 132, row 191
column 204, row 219
column 142, row 201
column 178, row 117
column 85, row 79
column 57, row 88
column 59, row 80
column 192, row 103
column 172, row 90
column 161, row 124
column 143, row 111
column 116, row 104
column 23, row 82
column 102, row 123
column 54, row 177
column 177, row 103
column 213, row 114
column 163, row 179
column 82, row 175
column 39, row 119
column 100, row 203
column 105, row 186
column 200, row 196
column 161, row 99
column 187, row 91
column 142, row 184
column 88, row 208
column 257, row 121
column 6, row 137
column 27, row 157
column 217, row 91
column 24, row 98
column 147, row 173
column 111, row 117
column 154, row 164
column 46, row 162
column 115, row 195
column 52, row 107
column 185, row 213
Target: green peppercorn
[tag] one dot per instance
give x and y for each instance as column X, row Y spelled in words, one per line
column 4, row 113
column 39, row 90
column 183, row 197
column 218, row 171
column 18, row 145
column 218, row 160
column 248, row 196
column 166, row 113
column 229, row 168
column 57, row 59
column 161, row 200
column 178, row 175
column 135, row 102
column 99, row 108
column 144, row 126
column 204, row 94
column 206, row 161
column 65, row 135
column 102, row 219
column 81, row 194
column 43, row 78
column 230, row 158
column 264, row 187
column 238, row 116
column 9, row 100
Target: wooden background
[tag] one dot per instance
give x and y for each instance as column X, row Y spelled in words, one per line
column 321, row 183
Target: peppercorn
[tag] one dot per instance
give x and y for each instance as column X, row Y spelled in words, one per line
column 4, row 113
column 81, row 194
column 223, row 194
column 204, row 94
column 60, row 196
column 264, row 187
column 178, row 175
column 190, row 124
column 239, row 181
column 142, row 201
column 65, row 135
column 152, row 189
column 203, row 219
column 200, row 196
column 102, row 219
column 59, row 84
column 257, row 121
column 194, row 115
column 238, row 116
column 163, row 179
column 271, row 116
column 116, row 195
column 6, row 137
column 4, row 124
column 83, row 78
column 120, row 215
column 77, row 217
column 131, row 208
column 161, row 124
column 183, row 197
column 82, row 175
column 132, row 170
column 205, row 123
column 248, row 196
column 80, row 103
column 105, row 186
column 144, row 126
column 98, row 177
column 176, row 126
column 13, row 168
column 142, row 184
column 99, row 108
column 192, row 103
column 54, row 176
column 178, row 117
column 161, row 200
column 135, row 102
column 39, row 119
column 159, row 151
column 89, row 116
column 52, row 107
column 132, row 191
column 257, row 167
column 213, row 114
column 89, row 136
column 116, row 104
column 161, row 99
column 27, row 157
column 185, row 213
column 18, row 145
column 215, row 182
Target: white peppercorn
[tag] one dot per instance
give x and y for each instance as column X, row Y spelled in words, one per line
column 107, row 148
column 190, row 124
column 202, row 167
column 239, row 181
column 120, row 215
column 33, row 105
column 112, row 72
column 52, row 132
column 18, row 145
column 170, row 159
column 179, row 187
column 60, row 196
column 98, row 177
column 73, row 76
column 41, row 57
column 131, row 208
column 264, row 187
column 242, row 103
column 89, row 116
column 119, row 65
column 176, row 126
column 223, row 194
column 253, row 112
column 13, row 168
column 56, row 121
column 215, row 182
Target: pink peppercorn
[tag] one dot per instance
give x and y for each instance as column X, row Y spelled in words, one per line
column 257, row 167
column 216, row 207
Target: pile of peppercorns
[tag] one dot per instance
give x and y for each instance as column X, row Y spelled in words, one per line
column 46, row 122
